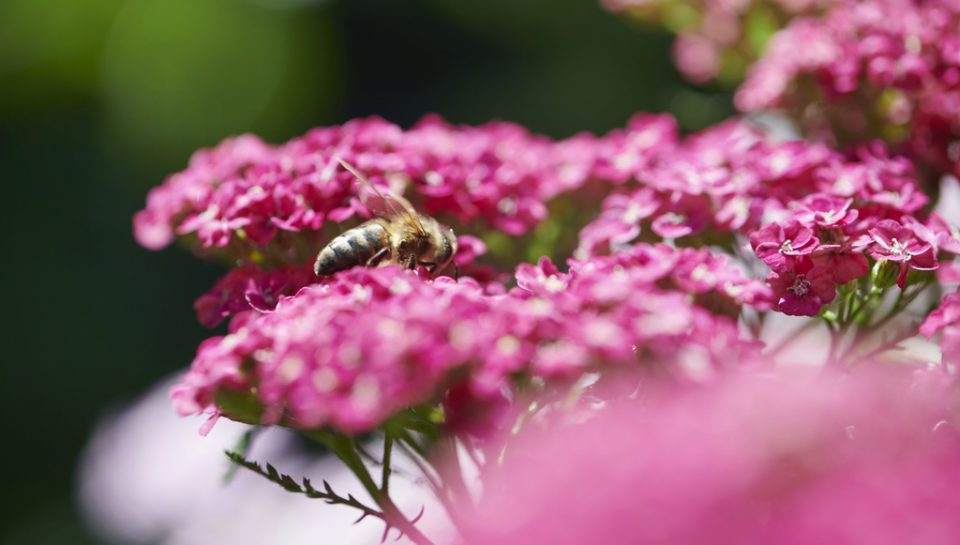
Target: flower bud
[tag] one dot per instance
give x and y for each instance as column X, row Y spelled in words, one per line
column 885, row 273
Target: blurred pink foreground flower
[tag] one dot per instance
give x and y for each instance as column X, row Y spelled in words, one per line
column 773, row 460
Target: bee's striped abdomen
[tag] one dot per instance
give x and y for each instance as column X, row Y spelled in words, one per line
column 354, row 247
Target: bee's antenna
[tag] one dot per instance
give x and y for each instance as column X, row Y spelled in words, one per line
column 355, row 172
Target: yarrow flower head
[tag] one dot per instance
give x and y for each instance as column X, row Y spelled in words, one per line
column 237, row 198
column 356, row 348
column 822, row 233
column 792, row 199
column 347, row 352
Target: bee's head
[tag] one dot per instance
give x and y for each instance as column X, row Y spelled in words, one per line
column 442, row 246
column 447, row 248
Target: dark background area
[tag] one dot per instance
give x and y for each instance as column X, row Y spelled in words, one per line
column 101, row 99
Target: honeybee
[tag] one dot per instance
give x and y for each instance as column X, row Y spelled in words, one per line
column 399, row 235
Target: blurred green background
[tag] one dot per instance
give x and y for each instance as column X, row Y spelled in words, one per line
column 101, row 99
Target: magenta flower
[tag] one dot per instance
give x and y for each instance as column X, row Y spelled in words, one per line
column 682, row 215
column 826, row 211
column 700, row 272
column 896, row 243
column 619, row 223
column 843, row 260
column 688, row 270
column 802, row 290
column 778, row 245
column 843, row 179
column 468, row 249
column 543, row 278
column 623, row 155
column 249, row 288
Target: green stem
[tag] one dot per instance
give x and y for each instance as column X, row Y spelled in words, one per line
column 843, row 312
column 836, row 335
column 792, row 337
column 343, row 447
column 436, row 486
column 889, row 345
column 460, row 490
column 385, row 478
column 903, row 301
column 412, row 443
column 858, row 306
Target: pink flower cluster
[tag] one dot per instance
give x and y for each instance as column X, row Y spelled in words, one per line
column 892, row 64
column 716, row 38
column 245, row 191
column 813, row 216
column 714, row 280
column 728, row 178
column 249, row 288
column 734, row 178
column 863, row 210
column 358, row 347
column 748, row 461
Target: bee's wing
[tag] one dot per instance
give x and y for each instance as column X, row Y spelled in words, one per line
column 393, row 206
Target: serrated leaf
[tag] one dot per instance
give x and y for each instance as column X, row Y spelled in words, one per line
column 269, row 472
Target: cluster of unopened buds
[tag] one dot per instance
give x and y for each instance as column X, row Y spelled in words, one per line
column 583, row 273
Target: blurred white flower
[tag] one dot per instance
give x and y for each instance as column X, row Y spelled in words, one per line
column 147, row 476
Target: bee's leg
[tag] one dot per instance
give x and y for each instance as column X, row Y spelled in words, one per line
column 456, row 271
column 412, row 262
column 378, row 257
column 431, row 267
